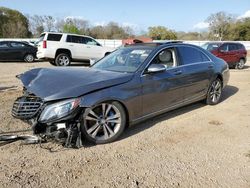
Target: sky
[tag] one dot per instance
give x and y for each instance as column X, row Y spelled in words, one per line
column 178, row 15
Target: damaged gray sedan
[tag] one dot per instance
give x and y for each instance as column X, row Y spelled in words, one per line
column 130, row 85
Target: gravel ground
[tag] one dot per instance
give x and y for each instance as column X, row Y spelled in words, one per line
column 195, row 146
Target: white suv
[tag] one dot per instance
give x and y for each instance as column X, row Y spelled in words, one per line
column 62, row 48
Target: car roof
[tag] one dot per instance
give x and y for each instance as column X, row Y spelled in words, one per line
column 51, row 32
column 223, row 42
column 23, row 42
column 153, row 44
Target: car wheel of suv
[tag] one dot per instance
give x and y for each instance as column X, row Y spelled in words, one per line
column 103, row 123
column 29, row 58
column 240, row 64
column 62, row 60
column 214, row 92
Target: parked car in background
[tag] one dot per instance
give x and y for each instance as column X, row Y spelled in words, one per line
column 61, row 49
column 132, row 84
column 234, row 53
column 17, row 51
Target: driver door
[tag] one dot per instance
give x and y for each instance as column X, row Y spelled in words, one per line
column 162, row 90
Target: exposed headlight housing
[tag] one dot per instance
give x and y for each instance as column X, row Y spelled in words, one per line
column 58, row 110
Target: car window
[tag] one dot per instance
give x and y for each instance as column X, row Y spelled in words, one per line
column 17, row 45
column 54, row 37
column 75, row 39
column 241, row 47
column 232, row 47
column 124, row 59
column 224, row 48
column 210, row 46
column 166, row 57
column 90, row 41
column 189, row 55
column 3, row 45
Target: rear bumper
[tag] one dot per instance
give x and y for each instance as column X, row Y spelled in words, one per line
column 45, row 54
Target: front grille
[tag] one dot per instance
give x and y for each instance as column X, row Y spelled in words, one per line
column 26, row 107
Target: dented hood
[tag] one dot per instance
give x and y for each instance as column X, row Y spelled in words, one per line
column 59, row 83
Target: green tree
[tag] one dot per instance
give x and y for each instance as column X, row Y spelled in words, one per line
column 13, row 24
column 161, row 33
column 192, row 35
column 111, row 31
column 70, row 28
column 240, row 30
column 219, row 25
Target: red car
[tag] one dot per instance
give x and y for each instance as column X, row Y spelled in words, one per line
column 234, row 53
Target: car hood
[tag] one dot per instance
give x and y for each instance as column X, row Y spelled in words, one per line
column 60, row 83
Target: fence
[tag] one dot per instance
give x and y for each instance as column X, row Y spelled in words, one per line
column 117, row 43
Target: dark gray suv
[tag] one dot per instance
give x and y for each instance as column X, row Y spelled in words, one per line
column 132, row 84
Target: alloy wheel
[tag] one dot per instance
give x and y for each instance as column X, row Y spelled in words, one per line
column 103, row 121
column 215, row 91
column 63, row 60
column 29, row 58
column 240, row 65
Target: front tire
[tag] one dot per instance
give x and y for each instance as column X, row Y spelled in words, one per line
column 214, row 92
column 103, row 123
column 240, row 64
column 29, row 58
column 62, row 60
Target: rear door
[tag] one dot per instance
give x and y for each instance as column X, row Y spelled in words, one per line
column 4, row 51
column 234, row 52
column 225, row 53
column 77, row 47
column 197, row 73
column 92, row 48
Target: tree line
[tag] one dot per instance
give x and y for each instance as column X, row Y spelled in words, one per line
column 222, row 26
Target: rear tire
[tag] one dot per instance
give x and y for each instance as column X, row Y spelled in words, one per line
column 62, row 60
column 214, row 92
column 240, row 64
column 29, row 58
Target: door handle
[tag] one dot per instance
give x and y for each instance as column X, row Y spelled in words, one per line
column 88, row 46
column 177, row 72
column 71, row 45
column 210, row 66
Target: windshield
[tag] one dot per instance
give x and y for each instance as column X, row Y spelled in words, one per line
column 210, row 46
column 126, row 59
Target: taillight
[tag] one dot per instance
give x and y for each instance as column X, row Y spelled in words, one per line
column 44, row 44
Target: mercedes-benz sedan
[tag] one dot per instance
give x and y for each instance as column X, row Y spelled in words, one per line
column 132, row 84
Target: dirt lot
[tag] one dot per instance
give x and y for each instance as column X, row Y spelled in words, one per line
column 195, row 146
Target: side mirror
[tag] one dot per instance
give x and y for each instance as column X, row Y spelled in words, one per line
column 221, row 50
column 154, row 68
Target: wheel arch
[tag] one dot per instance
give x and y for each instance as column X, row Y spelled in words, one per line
column 86, row 104
column 107, row 53
column 244, row 58
column 63, row 50
column 220, row 77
